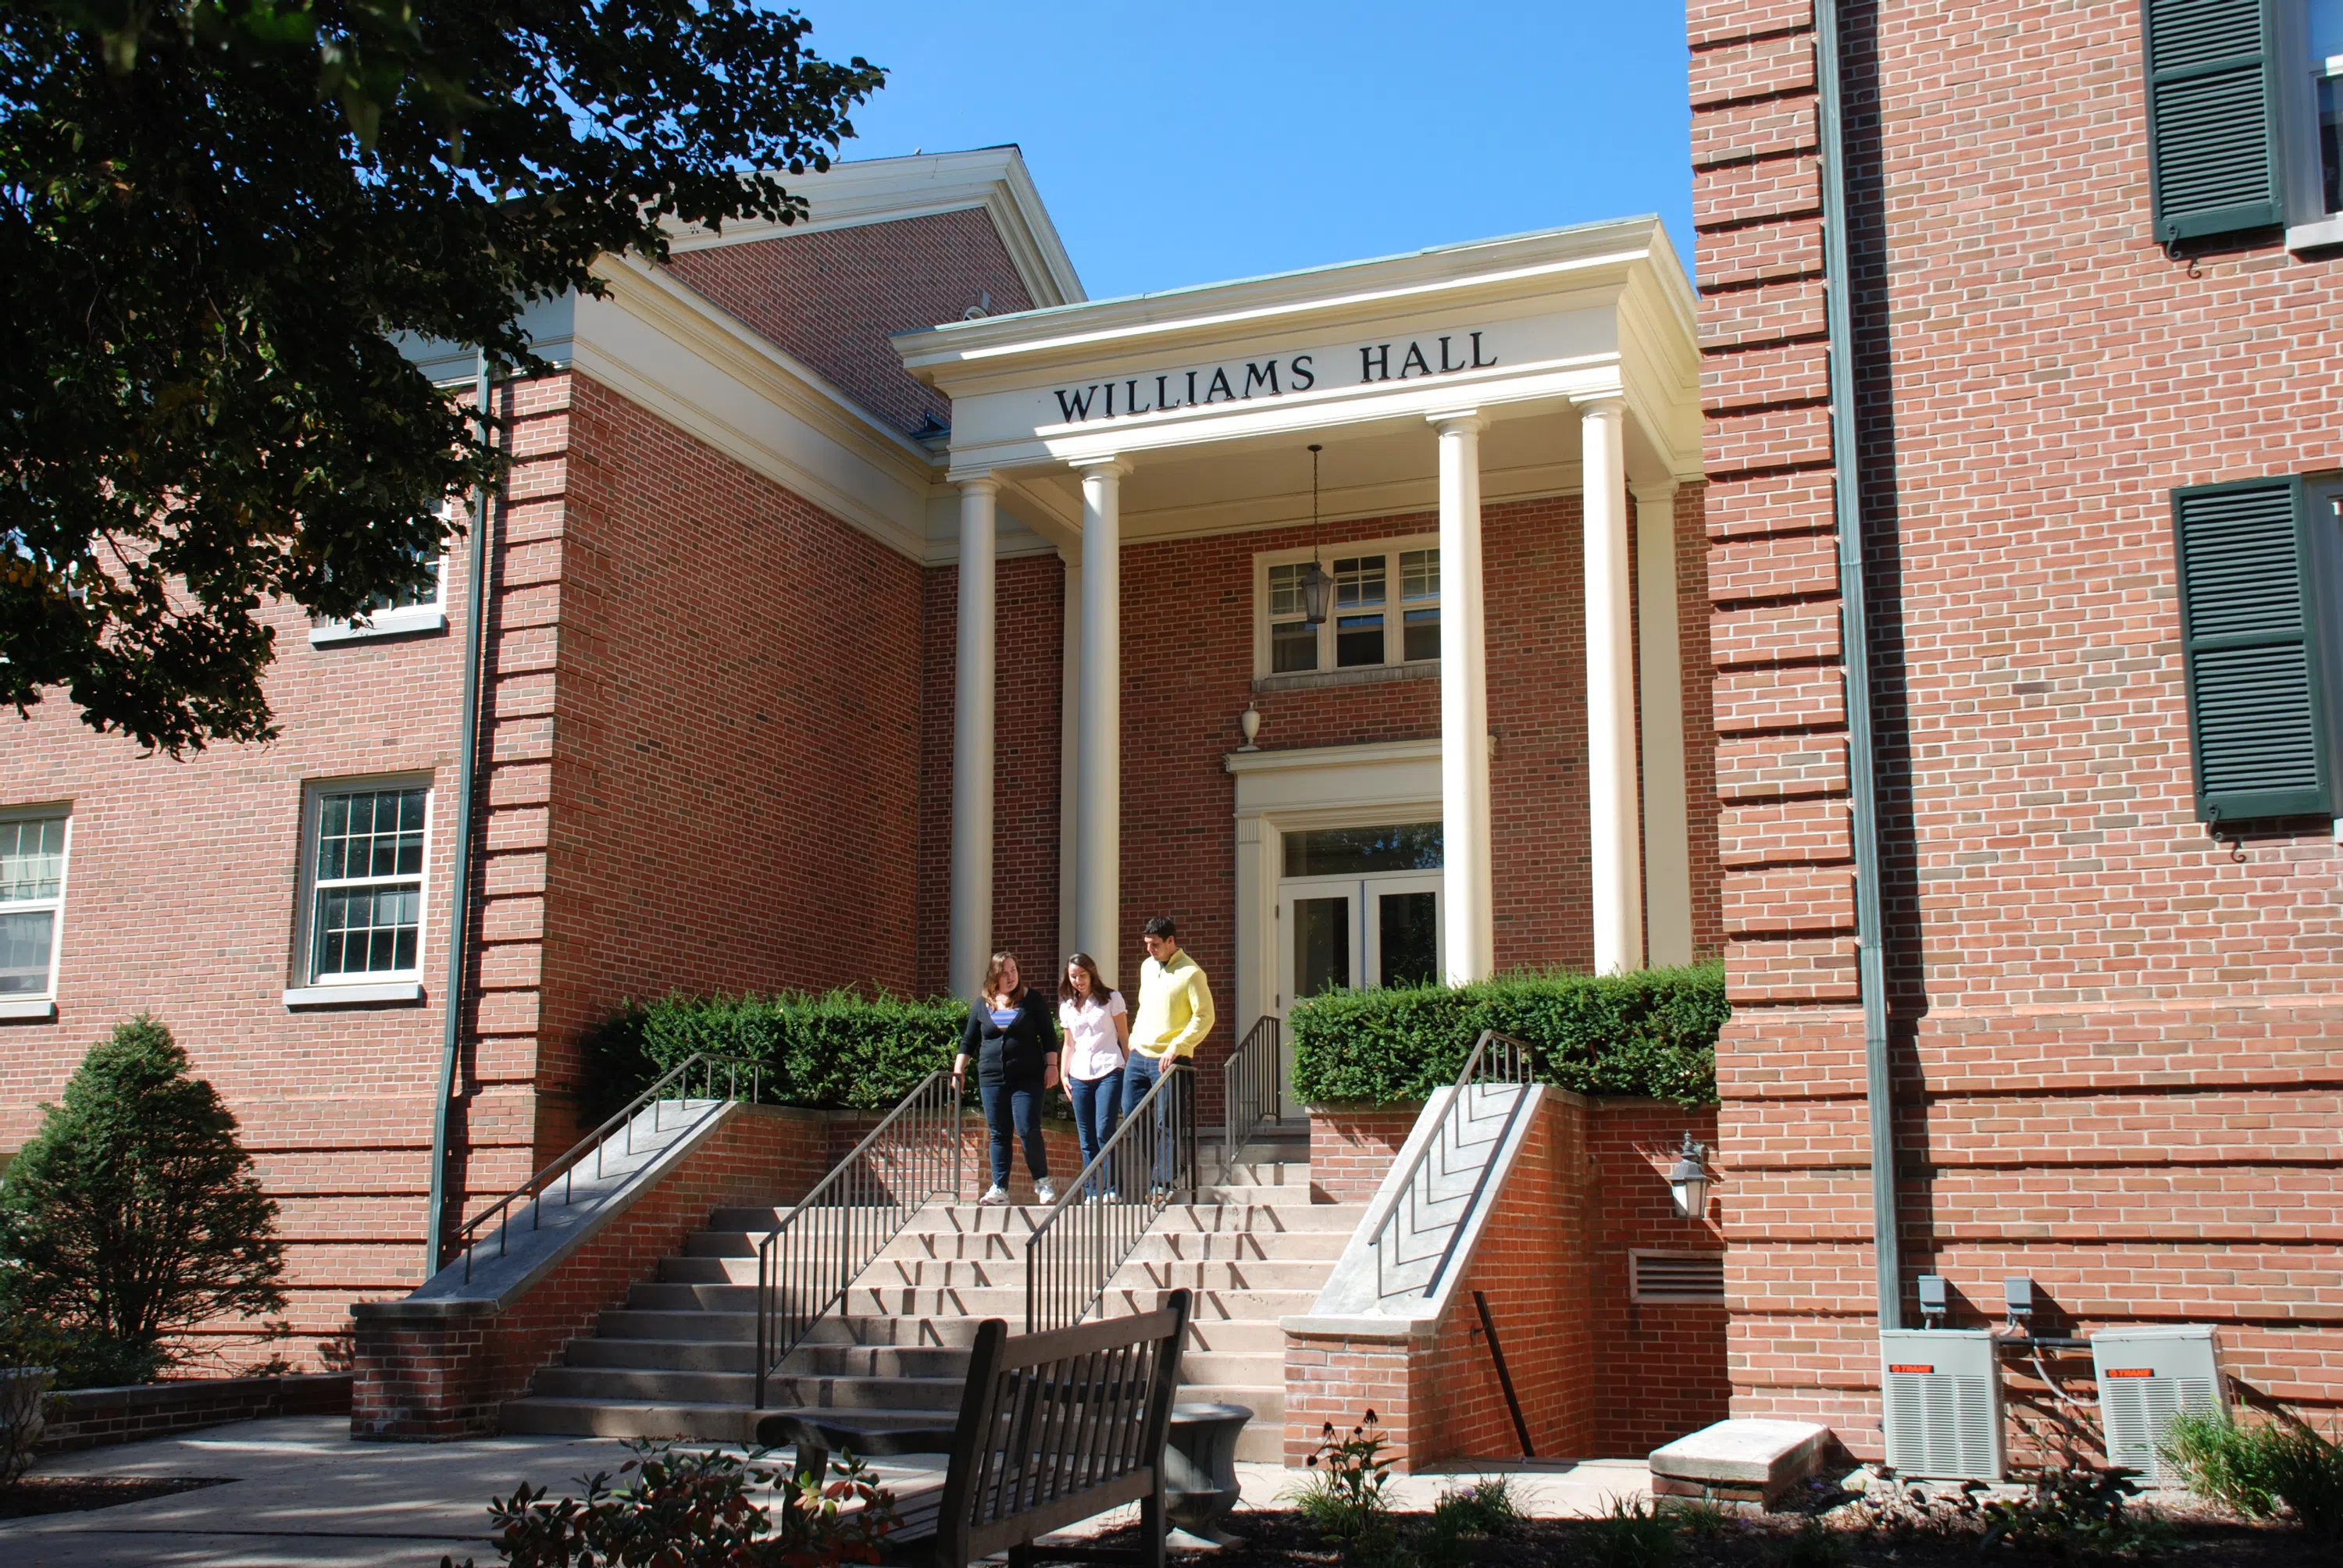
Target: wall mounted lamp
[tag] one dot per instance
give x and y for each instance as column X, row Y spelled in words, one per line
column 1688, row 1180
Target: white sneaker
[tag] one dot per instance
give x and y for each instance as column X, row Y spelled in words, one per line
column 1045, row 1191
column 994, row 1195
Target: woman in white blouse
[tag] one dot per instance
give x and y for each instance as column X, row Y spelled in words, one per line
column 1098, row 1042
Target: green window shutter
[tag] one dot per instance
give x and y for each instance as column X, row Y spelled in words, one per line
column 2212, row 116
column 2250, row 650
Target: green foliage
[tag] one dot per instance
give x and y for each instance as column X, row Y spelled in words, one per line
column 1463, row 1523
column 691, row 1509
column 133, row 1213
column 838, row 1049
column 218, row 221
column 1634, row 1535
column 2254, row 1469
column 1344, row 1494
column 1649, row 1033
column 2074, row 1512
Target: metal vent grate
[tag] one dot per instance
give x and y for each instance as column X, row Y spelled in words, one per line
column 1683, row 1277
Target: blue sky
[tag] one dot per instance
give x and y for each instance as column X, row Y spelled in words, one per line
column 1184, row 142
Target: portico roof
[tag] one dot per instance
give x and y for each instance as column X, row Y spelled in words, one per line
column 1511, row 327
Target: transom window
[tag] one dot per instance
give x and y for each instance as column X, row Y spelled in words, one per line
column 366, row 883
column 1384, row 609
column 32, row 899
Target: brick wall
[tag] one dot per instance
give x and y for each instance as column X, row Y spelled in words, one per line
column 180, row 901
column 434, row 1378
column 1597, row 1373
column 1659, row 1367
column 103, row 1417
column 2108, row 1029
column 831, row 299
column 1352, row 1148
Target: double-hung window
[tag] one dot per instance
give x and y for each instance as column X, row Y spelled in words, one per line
column 423, row 608
column 1383, row 614
column 32, row 906
column 2244, row 99
column 364, row 852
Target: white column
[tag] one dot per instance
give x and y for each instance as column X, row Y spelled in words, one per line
column 1468, row 889
column 1070, row 742
column 1667, row 836
column 1611, row 694
column 972, row 740
column 1098, row 764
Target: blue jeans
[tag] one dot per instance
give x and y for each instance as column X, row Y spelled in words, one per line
column 1098, row 1106
column 1139, row 1076
column 1005, row 1106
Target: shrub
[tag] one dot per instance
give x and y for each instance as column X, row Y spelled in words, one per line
column 133, row 1214
column 838, row 1049
column 1633, row 1536
column 692, row 1510
column 2254, row 1469
column 1651, row 1033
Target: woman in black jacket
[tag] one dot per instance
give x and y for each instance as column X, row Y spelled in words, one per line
column 1015, row 1043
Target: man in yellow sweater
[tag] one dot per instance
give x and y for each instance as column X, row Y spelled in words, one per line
column 1175, row 1012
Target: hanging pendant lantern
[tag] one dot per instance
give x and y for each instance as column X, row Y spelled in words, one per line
column 1317, row 587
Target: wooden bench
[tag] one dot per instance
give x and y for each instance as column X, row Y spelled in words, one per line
column 1054, row 1428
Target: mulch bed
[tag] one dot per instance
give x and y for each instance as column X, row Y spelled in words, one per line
column 2200, row 1539
column 34, row 1494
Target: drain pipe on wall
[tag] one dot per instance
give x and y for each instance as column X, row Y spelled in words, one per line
column 1855, row 630
column 475, row 596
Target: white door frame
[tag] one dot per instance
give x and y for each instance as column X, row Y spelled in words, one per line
column 1283, row 791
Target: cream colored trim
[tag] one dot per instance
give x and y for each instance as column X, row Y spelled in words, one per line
column 1279, row 791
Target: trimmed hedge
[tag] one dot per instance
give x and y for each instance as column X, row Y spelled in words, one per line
column 841, row 1049
column 1651, row 1034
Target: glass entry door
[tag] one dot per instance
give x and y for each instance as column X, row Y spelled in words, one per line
column 1358, row 907
column 1357, row 932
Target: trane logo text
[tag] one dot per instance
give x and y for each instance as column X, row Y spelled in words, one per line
column 1275, row 376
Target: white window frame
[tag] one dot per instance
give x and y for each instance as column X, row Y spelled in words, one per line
column 400, row 620
column 1394, row 607
column 2309, row 225
column 44, row 1005
column 406, row 985
column 1660, row 1297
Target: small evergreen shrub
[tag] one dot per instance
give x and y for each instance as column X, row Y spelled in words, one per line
column 1652, row 1033
column 133, row 1214
column 840, row 1048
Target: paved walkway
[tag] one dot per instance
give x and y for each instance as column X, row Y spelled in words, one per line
column 305, row 1497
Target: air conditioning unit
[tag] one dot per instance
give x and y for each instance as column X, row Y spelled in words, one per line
column 2148, row 1376
column 1943, row 1389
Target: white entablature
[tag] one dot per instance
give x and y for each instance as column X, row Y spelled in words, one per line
column 1564, row 317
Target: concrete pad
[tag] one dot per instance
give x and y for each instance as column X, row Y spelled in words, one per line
column 1748, row 1461
column 304, row 1494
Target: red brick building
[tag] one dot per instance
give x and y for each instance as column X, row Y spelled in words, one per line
column 753, row 716
column 2040, row 366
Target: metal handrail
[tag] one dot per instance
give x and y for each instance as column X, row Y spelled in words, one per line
column 807, row 1261
column 1080, row 1240
column 467, row 1237
column 1510, row 1065
column 1252, row 1086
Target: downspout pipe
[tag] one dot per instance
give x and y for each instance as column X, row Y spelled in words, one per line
column 475, row 596
column 1855, row 638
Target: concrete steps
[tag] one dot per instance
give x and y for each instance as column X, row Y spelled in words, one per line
column 678, row 1358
